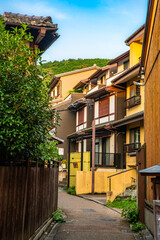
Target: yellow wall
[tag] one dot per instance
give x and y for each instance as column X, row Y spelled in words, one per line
column 68, row 82
column 76, row 158
column 119, row 183
column 83, row 182
column 137, row 108
column 131, row 161
column 135, row 53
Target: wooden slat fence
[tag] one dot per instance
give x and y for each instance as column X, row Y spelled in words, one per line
column 28, row 196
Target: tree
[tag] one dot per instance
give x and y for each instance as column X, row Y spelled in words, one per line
column 25, row 109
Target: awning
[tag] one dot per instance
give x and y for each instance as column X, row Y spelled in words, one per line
column 129, row 119
column 151, row 171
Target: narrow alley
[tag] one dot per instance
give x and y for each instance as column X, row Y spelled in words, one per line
column 88, row 220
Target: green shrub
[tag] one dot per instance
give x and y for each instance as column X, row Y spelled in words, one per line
column 131, row 214
column 58, row 216
column 122, row 203
column 71, row 190
column 138, row 226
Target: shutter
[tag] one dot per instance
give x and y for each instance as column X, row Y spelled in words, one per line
column 81, row 116
column 104, row 107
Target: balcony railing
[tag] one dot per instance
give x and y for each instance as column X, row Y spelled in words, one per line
column 133, row 101
column 108, row 160
column 132, row 147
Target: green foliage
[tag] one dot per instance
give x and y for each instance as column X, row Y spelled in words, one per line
column 79, row 90
column 131, row 214
column 25, row 110
column 58, row 216
column 57, row 67
column 65, row 188
column 71, row 190
column 138, row 226
column 122, row 203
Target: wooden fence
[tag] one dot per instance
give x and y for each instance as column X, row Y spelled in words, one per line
column 28, row 196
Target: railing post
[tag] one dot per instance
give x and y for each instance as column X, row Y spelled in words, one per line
column 110, row 184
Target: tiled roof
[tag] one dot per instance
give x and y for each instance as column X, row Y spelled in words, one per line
column 18, row 19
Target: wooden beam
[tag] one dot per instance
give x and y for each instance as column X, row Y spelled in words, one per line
column 41, row 35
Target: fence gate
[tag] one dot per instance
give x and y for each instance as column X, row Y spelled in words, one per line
column 75, row 165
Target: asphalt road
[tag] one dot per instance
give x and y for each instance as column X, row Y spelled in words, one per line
column 87, row 220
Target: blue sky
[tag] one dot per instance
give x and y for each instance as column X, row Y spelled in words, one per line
column 88, row 29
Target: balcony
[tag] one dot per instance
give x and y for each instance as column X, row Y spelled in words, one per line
column 133, row 101
column 131, row 147
column 108, row 160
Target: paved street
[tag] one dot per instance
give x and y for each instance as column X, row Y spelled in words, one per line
column 88, row 220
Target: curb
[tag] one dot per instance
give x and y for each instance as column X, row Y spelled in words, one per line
column 39, row 232
column 53, row 232
column 96, row 201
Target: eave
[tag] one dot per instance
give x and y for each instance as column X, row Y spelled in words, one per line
column 135, row 35
column 127, row 74
column 119, row 58
column 151, row 171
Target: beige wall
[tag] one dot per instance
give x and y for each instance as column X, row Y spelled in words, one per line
column 68, row 82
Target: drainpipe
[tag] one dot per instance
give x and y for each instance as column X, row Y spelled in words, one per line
column 93, row 153
column 82, row 153
column 69, row 143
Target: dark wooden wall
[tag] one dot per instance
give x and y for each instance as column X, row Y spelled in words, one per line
column 140, row 159
column 152, row 100
column 28, row 196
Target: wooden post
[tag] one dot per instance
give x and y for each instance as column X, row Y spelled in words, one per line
column 69, row 143
column 93, row 153
column 82, row 153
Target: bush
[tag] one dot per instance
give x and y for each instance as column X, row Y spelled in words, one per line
column 25, row 110
column 58, row 216
column 138, row 226
column 71, row 190
column 131, row 214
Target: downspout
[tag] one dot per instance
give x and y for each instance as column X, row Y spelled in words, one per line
column 93, row 154
column 69, row 142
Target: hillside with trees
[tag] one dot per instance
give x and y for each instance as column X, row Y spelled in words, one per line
column 57, row 67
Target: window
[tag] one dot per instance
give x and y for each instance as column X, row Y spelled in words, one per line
column 135, row 135
column 134, row 90
column 104, row 107
column 81, row 116
column 113, row 71
column 58, row 90
column 126, row 64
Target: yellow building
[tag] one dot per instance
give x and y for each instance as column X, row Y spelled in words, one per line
column 134, row 103
column 119, row 129
column 61, row 84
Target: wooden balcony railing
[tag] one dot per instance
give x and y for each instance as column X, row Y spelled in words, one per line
column 108, row 160
column 133, row 101
column 131, row 147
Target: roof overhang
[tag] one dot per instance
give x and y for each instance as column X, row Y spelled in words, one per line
column 135, row 36
column 119, row 58
column 127, row 74
column 151, row 171
column 97, row 93
column 42, row 29
column 102, row 129
column 80, row 103
column 129, row 119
